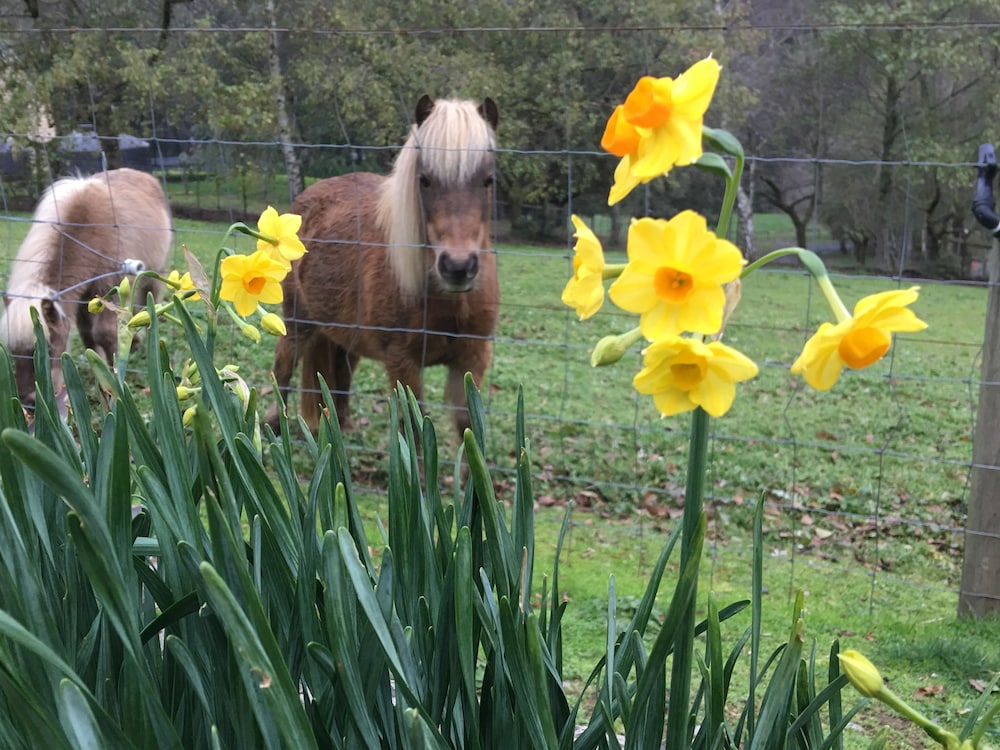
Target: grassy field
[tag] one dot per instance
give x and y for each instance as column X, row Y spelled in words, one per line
column 865, row 485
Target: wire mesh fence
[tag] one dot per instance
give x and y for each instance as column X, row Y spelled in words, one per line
column 872, row 476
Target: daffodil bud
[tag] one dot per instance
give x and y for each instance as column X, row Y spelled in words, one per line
column 861, row 673
column 95, row 306
column 273, row 324
column 184, row 393
column 189, row 414
column 191, row 373
column 140, row 320
column 610, row 349
column 251, row 332
column 124, row 287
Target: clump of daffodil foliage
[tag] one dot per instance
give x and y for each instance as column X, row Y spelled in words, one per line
column 682, row 280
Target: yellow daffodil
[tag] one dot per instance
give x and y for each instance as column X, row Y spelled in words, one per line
column 683, row 373
column 95, row 306
column 859, row 340
column 659, row 126
column 283, row 229
column 861, row 673
column 585, row 291
column 251, row 279
column 675, row 276
column 182, row 283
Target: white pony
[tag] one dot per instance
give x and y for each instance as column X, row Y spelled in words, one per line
column 83, row 231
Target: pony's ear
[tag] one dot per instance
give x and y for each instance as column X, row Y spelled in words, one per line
column 52, row 311
column 424, row 107
column 489, row 111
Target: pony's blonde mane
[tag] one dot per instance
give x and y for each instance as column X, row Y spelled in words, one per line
column 24, row 289
column 451, row 146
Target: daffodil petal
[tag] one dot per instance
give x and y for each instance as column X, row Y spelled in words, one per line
column 694, row 88
column 716, row 394
column 633, row 292
column 702, row 312
column 625, row 182
column 883, row 300
column 672, row 402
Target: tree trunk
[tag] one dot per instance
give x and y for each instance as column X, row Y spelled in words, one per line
column 979, row 594
column 890, row 131
column 292, row 166
column 744, row 209
column 801, row 225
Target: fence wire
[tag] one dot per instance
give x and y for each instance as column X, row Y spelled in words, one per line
column 865, row 477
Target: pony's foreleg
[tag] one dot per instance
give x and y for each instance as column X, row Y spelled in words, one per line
column 101, row 334
column 411, row 375
column 286, row 354
column 454, row 389
column 325, row 358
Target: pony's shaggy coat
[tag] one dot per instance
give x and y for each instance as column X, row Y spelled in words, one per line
column 82, row 231
column 400, row 268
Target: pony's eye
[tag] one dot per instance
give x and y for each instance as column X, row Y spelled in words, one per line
column 489, row 181
column 425, row 181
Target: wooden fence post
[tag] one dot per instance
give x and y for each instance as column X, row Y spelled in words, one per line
column 979, row 594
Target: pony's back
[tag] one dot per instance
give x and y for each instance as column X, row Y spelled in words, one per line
column 86, row 226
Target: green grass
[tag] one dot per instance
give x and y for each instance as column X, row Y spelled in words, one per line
column 865, row 484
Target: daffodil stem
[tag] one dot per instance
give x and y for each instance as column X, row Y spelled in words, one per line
column 244, row 229
column 812, row 262
column 612, row 270
column 942, row 737
column 840, row 311
column 729, row 200
column 816, row 267
column 694, row 505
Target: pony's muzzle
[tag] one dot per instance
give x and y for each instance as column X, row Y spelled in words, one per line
column 458, row 270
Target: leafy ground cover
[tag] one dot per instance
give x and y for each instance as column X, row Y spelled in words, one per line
column 865, row 485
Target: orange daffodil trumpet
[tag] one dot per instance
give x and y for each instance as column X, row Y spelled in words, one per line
column 659, row 126
column 679, row 273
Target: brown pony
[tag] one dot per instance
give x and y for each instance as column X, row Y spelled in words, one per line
column 399, row 268
column 86, row 234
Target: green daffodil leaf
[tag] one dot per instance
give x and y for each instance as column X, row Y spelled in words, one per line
column 714, row 163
